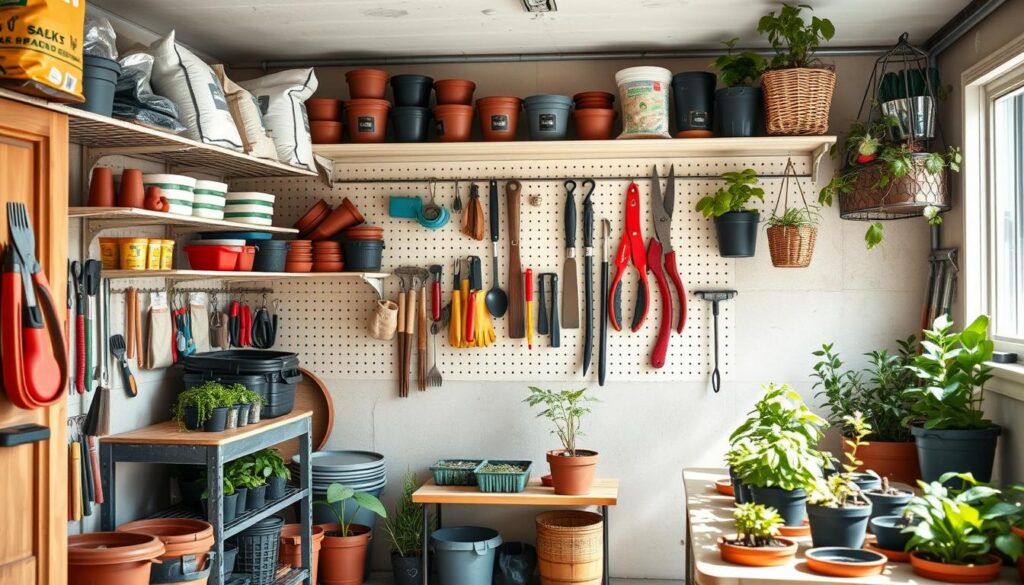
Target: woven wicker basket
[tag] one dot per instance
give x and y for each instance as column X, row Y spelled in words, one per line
column 797, row 101
column 905, row 196
column 792, row 247
column 570, row 547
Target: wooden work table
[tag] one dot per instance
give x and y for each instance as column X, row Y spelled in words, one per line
column 709, row 516
column 169, row 433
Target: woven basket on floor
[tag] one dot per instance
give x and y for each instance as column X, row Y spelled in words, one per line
column 570, row 547
column 797, row 101
column 792, row 247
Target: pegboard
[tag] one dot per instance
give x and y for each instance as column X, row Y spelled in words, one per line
column 326, row 321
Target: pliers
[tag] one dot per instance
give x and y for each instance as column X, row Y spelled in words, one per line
column 631, row 246
column 659, row 254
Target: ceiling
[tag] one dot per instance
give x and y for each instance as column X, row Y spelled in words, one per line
column 248, row 31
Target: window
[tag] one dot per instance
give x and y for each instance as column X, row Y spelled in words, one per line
column 1007, row 215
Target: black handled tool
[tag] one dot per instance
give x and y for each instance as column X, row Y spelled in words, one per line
column 556, row 333
column 571, row 299
column 602, row 364
column 716, row 297
column 543, row 326
column 588, row 273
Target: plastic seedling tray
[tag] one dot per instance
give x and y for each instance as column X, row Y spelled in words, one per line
column 503, row 482
column 464, row 475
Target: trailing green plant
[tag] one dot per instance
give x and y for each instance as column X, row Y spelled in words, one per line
column 336, row 497
column 738, row 68
column 876, row 391
column 951, row 375
column 794, row 217
column 565, row 410
column 756, row 525
column 735, row 196
column 404, row 525
column 244, row 395
column 204, row 398
column 792, row 38
column 839, row 490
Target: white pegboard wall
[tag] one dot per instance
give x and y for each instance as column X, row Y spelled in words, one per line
column 325, row 321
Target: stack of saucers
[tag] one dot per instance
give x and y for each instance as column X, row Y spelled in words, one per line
column 363, row 471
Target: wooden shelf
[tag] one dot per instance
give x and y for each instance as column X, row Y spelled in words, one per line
column 169, row 433
column 115, row 217
column 229, row 276
column 107, row 136
column 604, row 493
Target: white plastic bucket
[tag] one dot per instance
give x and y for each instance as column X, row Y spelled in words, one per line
column 250, row 197
column 177, row 189
column 644, row 93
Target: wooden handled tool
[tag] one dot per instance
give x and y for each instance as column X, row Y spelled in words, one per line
column 410, row 329
column 401, row 341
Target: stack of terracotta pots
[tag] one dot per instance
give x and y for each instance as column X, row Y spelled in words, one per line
column 327, row 256
column 594, row 115
column 300, row 256
column 186, row 542
column 312, row 218
column 112, row 557
column 367, row 110
column 344, row 216
column 324, row 120
column 499, row 116
column 453, row 115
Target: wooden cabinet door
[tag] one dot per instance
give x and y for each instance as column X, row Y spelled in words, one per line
column 33, row 477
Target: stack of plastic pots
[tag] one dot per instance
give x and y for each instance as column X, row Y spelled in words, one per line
column 548, row 116
column 258, row 548
column 324, row 120
column 594, row 115
column 363, row 471
column 187, row 545
column 367, row 111
column 411, row 116
column 453, row 114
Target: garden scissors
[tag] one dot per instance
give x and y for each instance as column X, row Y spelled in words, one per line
column 661, row 258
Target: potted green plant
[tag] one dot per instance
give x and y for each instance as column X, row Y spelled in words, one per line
column 404, row 530
column 270, row 464
column 572, row 469
column 738, row 103
column 230, row 500
column 791, row 236
column 249, row 477
column 877, row 392
column 797, row 86
column 757, row 542
column 249, row 404
column 949, row 427
column 737, row 453
column 735, row 221
column 837, row 510
column 203, row 407
column 343, row 550
column 783, row 460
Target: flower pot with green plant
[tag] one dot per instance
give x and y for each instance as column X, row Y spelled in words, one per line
column 791, row 236
column 572, row 469
column 269, row 463
column 735, row 221
column 797, row 86
column 738, row 103
column 757, row 542
column 230, row 499
column 404, row 528
column 251, row 403
column 244, row 474
column 949, row 427
column 837, row 509
column 203, row 407
column 343, row 550
column 877, row 392
column 738, row 452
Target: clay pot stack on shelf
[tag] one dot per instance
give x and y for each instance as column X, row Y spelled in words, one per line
column 324, row 120
column 594, row 115
column 367, row 110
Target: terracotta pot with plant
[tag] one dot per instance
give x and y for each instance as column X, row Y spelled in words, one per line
column 837, row 510
column 757, row 542
column 735, row 221
column 737, row 104
column 343, row 550
column 572, row 469
column 404, row 531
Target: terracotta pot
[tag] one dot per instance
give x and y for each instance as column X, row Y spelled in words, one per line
column 181, row 536
column 323, row 109
column 367, row 119
column 290, row 552
column 454, row 92
column 498, row 117
column 824, row 561
column 324, row 132
column 453, row 122
column 895, row 460
column 133, row 192
column 101, row 188
column 328, row 266
column 768, row 556
column 346, row 215
column 111, row 557
column 572, row 476
column 343, row 558
column 294, row 266
column 724, row 487
column 320, row 208
column 155, row 200
column 363, row 232
column 956, row 573
column 367, row 83
column 598, row 96
column 592, row 105
column 594, row 124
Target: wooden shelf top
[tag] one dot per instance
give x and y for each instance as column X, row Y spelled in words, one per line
column 230, row 276
column 168, row 433
column 710, row 516
column 130, row 216
column 604, row 493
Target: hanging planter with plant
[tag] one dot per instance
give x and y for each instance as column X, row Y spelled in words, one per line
column 737, row 104
column 791, row 236
column 735, row 222
column 797, row 87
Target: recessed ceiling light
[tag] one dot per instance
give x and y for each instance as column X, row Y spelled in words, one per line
column 540, row 5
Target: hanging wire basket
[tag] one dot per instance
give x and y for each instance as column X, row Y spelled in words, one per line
column 792, row 246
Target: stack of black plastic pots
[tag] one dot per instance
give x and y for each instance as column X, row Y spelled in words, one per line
column 410, row 118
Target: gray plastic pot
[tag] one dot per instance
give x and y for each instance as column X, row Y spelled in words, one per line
column 961, row 450
column 257, row 498
column 737, row 233
column 736, row 110
column 889, row 533
column 791, row 504
column 243, row 415
column 275, row 487
column 867, row 481
column 548, row 116
column 362, row 255
column 887, row 505
column 838, row 526
column 465, row 554
column 243, row 500
column 99, row 78
column 271, row 256
column 181, row 569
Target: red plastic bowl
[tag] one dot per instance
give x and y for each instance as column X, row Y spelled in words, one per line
column 213, row 257
column 246, row 259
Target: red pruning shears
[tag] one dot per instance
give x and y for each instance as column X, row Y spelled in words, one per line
column 33, row 345
column 661, row 258
column 631, row 246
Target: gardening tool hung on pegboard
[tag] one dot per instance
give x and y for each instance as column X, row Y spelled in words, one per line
column 791, row 234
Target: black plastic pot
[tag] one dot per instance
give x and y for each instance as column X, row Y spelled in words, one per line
column 406, row 570
column 693, row 94
column 181, row 569
column 410, row 123
column 740, row 491
column 191, row 490
column 257, row 498
column 271, row 255
column 838, row 526
column 791, row 504
column 218, row 419
column 257, row 549
column 99, row 78
column 961, row 450
column 242, row 504
column 889, row 532
column 275, row 487
column 867, row 481
column 516, row 564
column 230, row 552
column 737, row 233
column 230, row 507
column 243, row 415
column 736, row 110
column 887, row 505
column 362, row 255
column 411, row 90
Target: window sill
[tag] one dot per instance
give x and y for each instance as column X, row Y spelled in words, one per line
column 1007, row 380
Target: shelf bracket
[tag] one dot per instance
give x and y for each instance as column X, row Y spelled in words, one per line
column 816, row 156
column 376, row 283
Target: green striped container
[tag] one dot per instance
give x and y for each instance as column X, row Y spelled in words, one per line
column 503, row 483
column 448, row 476
column 176, row 189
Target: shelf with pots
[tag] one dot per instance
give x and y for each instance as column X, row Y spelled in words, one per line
column 99, row 219
column 374, row 279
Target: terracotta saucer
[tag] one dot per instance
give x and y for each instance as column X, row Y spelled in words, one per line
column 796, row 531
column 837, row 561
column 724, row 487
column 896, row 556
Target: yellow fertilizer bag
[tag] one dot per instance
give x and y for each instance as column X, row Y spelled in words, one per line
column 41, row 47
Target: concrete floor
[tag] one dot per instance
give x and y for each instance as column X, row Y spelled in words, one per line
column 385, row 579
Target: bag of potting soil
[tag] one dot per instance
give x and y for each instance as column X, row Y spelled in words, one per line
column 100, row 39
column 190, row 83
column 135, row 101
column 246, row 112
column 41, row 47
column 282, row 98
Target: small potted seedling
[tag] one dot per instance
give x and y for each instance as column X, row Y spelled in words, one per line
column 343, row 551
column 757, row 542
column 279, row 472
column 572, row 469
column 837, row 509
column 735, row 221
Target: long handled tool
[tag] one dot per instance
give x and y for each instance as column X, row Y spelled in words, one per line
column 496, row 299
column 528, row 285
column 421, row 335
column 588, row 273
column 91, row 282
column 76, row 271
column 455, row 325
column 602, row 365
column 571, row 296
column 716, row 297
column 434, row 378
column 516, row 324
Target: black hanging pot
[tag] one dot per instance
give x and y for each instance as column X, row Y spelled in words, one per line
column 737, row 233
column 736, row 110
column 693, row 94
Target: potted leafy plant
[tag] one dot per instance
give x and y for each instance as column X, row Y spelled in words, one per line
column 735, row 221
column 572, row 469
column 249, row 404
column 783, row 460
column 403, row 528
column 757, row 542
column 271, row 466
column 837, row 510
column 950, row 429
column 791, row 236
column 343, row 550
column 877, row 392
column 738, row 103
column 230, row 500
column 737, row 453
column 797, row 86
column 203, row 407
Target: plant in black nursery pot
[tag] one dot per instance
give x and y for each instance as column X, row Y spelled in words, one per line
column 203, row 407
column 271, row 465
column 738, row 103
column 403, row 527
column 735, row 221
column 572, row 469
column 836, row 508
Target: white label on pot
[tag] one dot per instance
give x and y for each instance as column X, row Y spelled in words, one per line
column 546, row 122
column 499, row 123
column 699, row 119
column 367, row 124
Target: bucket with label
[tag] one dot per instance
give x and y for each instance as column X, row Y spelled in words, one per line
column 643, row 93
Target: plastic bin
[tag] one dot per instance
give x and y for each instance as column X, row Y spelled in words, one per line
column 448, row 476
column 465, row 554
column 258, row 547
column 271, row 374
column 498, row 482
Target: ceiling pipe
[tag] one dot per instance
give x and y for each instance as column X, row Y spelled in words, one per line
column 960, row 25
